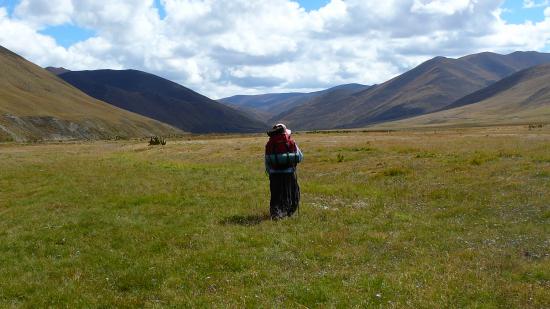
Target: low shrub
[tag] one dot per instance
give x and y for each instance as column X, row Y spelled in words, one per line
column 156, row 140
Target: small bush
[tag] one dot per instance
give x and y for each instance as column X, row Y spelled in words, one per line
column 394, row 171
column 120, row 138
column 7, row 139
column 481, row 158
column 362, row 149
column 509, row 155
column 535, row 126
column 542, row 174
column 155, row 140
column 476, row 161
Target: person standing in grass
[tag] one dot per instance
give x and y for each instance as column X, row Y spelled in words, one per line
column 282, row 156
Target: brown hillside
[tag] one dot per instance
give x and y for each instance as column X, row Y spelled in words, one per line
column 36, row 105
column 521, row 98
column 431, row 86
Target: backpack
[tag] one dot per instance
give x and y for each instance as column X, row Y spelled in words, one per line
column 281, row 152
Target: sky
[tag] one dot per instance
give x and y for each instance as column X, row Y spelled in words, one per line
column 227, row 47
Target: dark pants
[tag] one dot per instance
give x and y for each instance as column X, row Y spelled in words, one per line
column 285, row 195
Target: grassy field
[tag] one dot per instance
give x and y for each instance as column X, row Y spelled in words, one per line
column 423, row 219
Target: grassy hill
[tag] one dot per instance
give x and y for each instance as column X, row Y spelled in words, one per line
column 453, row 219
column 431, row 86
column 36, row 105
column 523, row 97
column 161, row 99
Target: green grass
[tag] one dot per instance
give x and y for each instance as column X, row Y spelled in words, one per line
column 405, row 219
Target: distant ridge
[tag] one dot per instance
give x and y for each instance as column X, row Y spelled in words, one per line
column 267, row 106
column 521, row 98
column 57, row 71
column 36, row 105
column 431, row 86
column 158, row 98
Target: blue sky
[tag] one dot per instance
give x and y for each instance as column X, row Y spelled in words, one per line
column 312, row 4
column 67, row 34
column 515, row 12
column 10, row 4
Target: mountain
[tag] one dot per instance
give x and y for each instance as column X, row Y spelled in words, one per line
column 523, row 97
column 267, row 106
column 431, row 86
column 261, row 101
column 36, row 105
column 57, row 71
column 263, row 106
column 161, row 99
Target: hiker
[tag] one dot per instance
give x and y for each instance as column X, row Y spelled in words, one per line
column 282, row 155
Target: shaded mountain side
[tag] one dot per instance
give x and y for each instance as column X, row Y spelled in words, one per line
column 261, row 101
column 431, row 86
column 325, row 107
column 264, row 106
column 257, row 114
column 267, row 106
column 523, row 97
column 161, row 99
column 36, row 105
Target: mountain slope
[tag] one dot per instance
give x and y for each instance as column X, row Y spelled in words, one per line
column 431, row 86
column 36, row 105
column 161, row 99
column 267, row 106
column 523, row 97
column 57, row 71
column 261, row 101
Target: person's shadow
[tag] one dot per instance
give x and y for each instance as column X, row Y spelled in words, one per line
column 249, row 220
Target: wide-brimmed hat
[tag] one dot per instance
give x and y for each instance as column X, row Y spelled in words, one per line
column 281, row 125
column 279, row 129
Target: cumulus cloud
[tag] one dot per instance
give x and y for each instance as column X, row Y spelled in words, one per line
column 529, row 4
column 222, row 48
column 44, row 13
column 442, row 7
column 24, row 39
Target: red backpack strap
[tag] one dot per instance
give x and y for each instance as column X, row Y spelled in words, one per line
column 274, row 151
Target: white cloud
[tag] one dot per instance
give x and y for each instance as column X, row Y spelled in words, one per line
column 222, row 48
column 40, row 13
column 529, row 4
column 444, row 7
column 25, row 40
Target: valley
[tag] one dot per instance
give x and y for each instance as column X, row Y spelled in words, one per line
column 404, row 219
column 275, row 154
